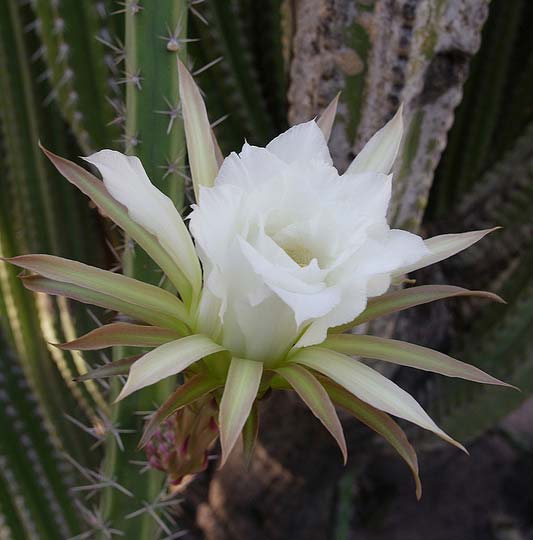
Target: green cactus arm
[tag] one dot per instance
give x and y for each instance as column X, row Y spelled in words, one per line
column 35, row 478
column 11, row 524
column 25, row 316
column 264, row 29
column 244, row 96
column 155, row 35
column 30, row 220
column 76, row 68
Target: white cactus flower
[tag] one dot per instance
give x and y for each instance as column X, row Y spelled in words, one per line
column 292, row 254
column 291, row 248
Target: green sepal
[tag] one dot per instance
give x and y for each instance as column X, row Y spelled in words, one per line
column 379, row 422
column 316, row 398
column 407, row 298
column 87, row 296
column 407, row 354
column 118, row 286
column 121, row 334
column 240, row 392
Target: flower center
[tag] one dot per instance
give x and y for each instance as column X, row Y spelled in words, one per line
column 299, row 254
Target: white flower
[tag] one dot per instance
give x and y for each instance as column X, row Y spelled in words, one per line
column 291, row 248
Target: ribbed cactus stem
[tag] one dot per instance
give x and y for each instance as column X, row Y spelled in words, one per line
column 76, row 67
column 32, row 474
column 155, row 37
column 241, row 46
column 29, row 222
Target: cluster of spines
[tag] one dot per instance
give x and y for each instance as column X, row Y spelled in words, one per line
column 66, row 32
column 243, row 97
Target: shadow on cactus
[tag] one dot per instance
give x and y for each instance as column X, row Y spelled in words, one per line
column 287, row 256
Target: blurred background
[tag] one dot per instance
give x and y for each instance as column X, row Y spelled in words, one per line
column 84, row 75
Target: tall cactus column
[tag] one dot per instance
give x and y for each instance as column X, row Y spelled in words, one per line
column 378, row 55
column 155, row 36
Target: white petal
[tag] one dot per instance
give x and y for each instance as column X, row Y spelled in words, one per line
column 215, row 221
column 166, row 360
column 380, row 151
column 275, row 275
column 261, row 165
column 240, row 391
column 264, row 332
column 378, row 285
column 325, row 122
column 444, row 246
column 369, row 191
column 127, row 182
column 353, row 302
column 201, row 148
column 307, row 299
column 302, row 142
column 253, row 166
column 369, row 386
column 309, row 306
column 397, row 249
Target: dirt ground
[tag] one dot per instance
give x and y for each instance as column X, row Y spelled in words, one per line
column 485, row 496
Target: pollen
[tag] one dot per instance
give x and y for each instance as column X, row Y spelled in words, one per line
column 299, row 254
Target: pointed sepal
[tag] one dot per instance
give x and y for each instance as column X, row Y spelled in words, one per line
column 370, row 386
column 316, row 398
column 87, row 296
column 121, row 287
column 444, row 246
column 249, row 434
column 117, row 212
column 327, row 118
column 123, row 334
column 407, row 354
column 379, row 153
column 167, row 360
column 379, row 422
column 242, row 385
column 200, row 146
column 112, row 369
column 407, row 298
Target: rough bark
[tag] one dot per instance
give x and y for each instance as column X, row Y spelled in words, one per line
column 378, row 54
